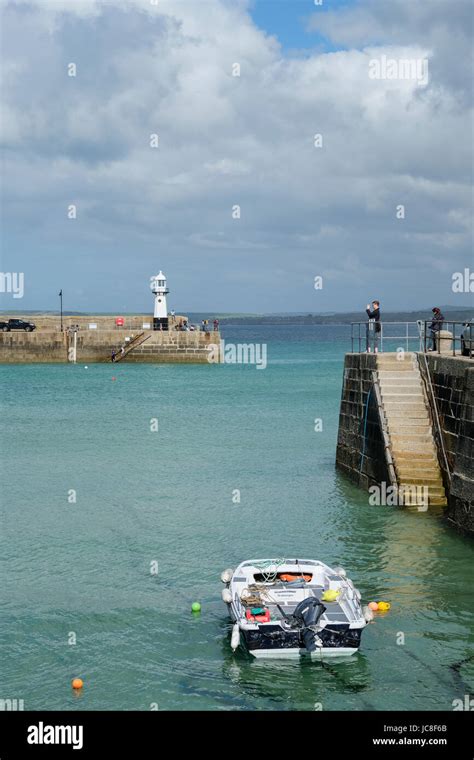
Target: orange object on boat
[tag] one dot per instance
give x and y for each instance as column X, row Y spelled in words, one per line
column 287, row 577
column 265, row 618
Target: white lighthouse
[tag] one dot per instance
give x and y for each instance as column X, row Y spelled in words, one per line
column 159, row 290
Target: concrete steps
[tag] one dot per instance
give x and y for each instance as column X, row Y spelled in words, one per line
column 409, row 471
column 402, row 393
column 394, row 373
column 399, row 378
column 386, row 364
column 405, row 434
column 417, row 458
column 414, row 409
column 412, row 422
column 419, row 477
column 409, row 429
column 435, row 494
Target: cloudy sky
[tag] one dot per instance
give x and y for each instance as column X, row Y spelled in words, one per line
column 167, row 68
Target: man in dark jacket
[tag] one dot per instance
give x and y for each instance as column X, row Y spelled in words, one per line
column 374, row 327
column 435, row 326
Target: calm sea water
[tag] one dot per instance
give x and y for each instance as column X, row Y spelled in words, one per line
column 83, row 569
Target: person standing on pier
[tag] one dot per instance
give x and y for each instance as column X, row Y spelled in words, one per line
column 435, row 327
column 374, row 327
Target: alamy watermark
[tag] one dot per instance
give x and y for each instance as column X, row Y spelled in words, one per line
column 12, row 282
column 463, row 282
column 11, row 705
column 410, row 69
column 464, row 704
column 53, row 734
column 399, row 496
column 238, row 353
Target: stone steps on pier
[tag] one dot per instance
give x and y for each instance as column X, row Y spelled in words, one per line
column 409, row 430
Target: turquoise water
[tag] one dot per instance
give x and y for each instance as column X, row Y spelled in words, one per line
column 84, row 568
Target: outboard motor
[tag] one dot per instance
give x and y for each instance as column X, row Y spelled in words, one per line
column 307, row 614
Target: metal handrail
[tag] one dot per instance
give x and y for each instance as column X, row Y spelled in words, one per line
column 137, row 341
column 359, row 337
column 386, row 439
column 434, row 414
column 454, row 338
column 421, row 335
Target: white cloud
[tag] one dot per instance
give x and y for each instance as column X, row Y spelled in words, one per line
column 228, row 140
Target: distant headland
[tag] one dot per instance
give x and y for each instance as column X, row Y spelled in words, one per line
column 454, row 313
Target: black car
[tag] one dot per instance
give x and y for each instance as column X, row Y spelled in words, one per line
column 17, row 324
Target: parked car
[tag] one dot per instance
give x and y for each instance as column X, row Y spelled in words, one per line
column 467, row 338
column 17, row 324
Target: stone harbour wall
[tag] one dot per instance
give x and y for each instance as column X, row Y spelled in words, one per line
column 360, row 449
column 18, row 347
column 453, row 385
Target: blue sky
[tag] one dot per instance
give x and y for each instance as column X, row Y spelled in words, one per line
column 237, row 202
column 288, row 22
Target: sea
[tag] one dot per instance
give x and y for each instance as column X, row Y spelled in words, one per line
column 128, row 488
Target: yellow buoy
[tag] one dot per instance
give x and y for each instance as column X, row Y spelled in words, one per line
column 330, row 595
column 384, row 606
column 77, row 683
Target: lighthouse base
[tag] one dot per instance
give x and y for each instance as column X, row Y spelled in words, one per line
column 160, row 323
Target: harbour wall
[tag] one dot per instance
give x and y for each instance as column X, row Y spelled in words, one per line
column 360, row 447
column 452, row 379
column 97, row 345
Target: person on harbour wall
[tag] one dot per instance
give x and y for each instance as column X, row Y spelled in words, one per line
column 374, row 327
column 435, row 327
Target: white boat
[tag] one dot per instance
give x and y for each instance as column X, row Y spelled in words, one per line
column 293, row 608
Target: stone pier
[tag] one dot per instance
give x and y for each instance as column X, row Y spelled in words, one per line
column 98, row 336
column 399, row 412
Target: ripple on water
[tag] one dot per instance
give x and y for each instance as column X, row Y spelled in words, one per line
column 85, row 567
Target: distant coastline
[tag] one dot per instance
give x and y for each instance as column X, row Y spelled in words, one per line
column 452, row 313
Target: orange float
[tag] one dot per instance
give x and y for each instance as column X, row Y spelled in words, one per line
column 288, row 577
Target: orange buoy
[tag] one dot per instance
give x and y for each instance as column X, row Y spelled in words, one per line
column 77, row 683
column 373, row 606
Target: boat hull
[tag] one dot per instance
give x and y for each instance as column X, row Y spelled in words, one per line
column 297, row 654
column 272, row 641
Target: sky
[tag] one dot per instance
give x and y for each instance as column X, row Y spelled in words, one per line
column 182, row 135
